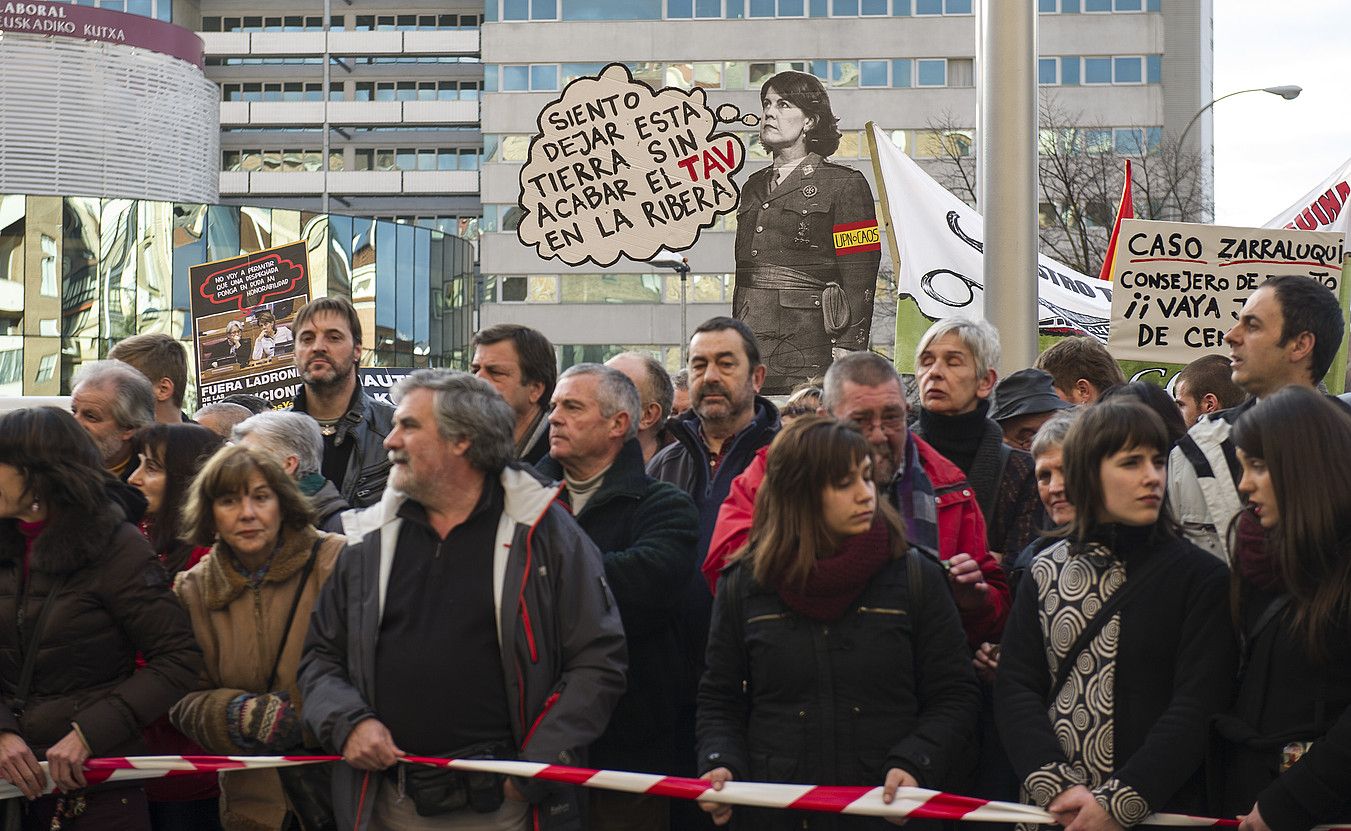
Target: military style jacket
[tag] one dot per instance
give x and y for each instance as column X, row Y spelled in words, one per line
column 819, row 221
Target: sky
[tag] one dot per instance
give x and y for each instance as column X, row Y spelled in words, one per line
column 1270, row 152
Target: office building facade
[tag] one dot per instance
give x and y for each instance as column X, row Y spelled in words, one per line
column 1128, row 71
column 100, row 102
column 374, row 114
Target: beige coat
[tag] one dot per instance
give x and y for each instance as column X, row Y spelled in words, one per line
column 239, row 629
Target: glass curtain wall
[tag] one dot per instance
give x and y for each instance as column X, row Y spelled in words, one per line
column 78, row 274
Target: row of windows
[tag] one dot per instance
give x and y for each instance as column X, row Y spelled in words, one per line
column 737, row 75
column 461, row 226
column 509, row 10
column 318, row 60
column 918, row 144
column 158, row 9
column 360, row 91
column 604, row 288
column 374, row 131
column 364, row 158
column 1070, row 70
column 360, row 23
column 1096, row 6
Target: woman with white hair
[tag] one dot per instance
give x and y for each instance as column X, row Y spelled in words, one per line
column 955, row 369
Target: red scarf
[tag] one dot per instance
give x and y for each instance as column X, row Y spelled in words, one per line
column 1252, row 551
column 835, row 582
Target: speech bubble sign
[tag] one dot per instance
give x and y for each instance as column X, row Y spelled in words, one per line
column 250, row 280
column 619, row 169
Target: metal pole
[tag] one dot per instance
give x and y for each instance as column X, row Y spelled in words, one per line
column 327, row 79
column 684, row 271
column 1007, row 132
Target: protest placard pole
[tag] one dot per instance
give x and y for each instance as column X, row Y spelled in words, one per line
column 1336, row 377
column 1006, row 130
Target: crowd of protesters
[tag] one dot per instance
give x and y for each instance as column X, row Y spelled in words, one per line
column 1056, row 587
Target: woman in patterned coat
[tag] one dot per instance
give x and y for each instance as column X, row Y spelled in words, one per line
column 1118, row 650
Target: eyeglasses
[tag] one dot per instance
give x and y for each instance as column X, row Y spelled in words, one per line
column 887, row 421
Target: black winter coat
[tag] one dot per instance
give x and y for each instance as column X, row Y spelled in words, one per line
column 1284, row 696
column 1172, row 670
column 684, row 464
column 789, row 699
column 645, row 530
column 113, row 602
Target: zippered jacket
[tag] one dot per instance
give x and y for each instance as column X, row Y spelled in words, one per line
column 561, row 640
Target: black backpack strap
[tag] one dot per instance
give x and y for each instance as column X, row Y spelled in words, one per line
column 291, row 615
column 1192, row 451
column 30, row 651
column 1231, row 459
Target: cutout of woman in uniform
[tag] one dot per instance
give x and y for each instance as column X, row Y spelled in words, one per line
column 807, row 244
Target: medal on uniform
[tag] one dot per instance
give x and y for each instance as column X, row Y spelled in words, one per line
column 809, row 191
column 804, row 235
column 808, row 170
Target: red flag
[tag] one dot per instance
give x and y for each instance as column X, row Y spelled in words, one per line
column 1126, row 210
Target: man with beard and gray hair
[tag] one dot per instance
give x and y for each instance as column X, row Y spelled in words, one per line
column 293, row 440
column 112, row 400
column 468, row 618
column 353, row 424
column 932, row 494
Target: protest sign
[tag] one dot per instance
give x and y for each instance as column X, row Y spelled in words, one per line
column 1180, row 286
column 619, row 169
column 939, row 242
column 1319, row 209
column 242, row 310
column 378, row 381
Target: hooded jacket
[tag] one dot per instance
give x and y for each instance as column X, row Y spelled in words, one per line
column 112, row 601
column 561, row 639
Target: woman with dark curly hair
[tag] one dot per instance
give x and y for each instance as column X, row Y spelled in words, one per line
column 807, row 245
column 169, row 457
column 85, row 595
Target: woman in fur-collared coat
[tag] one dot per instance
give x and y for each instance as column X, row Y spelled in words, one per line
column 250, row 601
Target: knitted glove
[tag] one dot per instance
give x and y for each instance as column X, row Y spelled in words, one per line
column 263, row 722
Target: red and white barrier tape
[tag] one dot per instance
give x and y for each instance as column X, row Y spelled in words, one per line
column 859, row 801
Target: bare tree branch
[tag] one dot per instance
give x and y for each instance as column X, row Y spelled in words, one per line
column 1080, row 176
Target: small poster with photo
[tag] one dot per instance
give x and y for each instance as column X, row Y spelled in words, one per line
column 243, row 309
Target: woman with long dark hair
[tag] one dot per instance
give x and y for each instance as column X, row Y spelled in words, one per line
column 170, row 456
column 1286, row 742
column 87, row 596
column 1118, row 650
column 889, row 697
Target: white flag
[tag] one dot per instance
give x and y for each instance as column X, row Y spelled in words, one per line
column 1318, row 209
column 940, row 241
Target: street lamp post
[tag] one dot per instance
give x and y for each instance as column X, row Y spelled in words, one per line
column 1289, row 92
column 680, row 265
